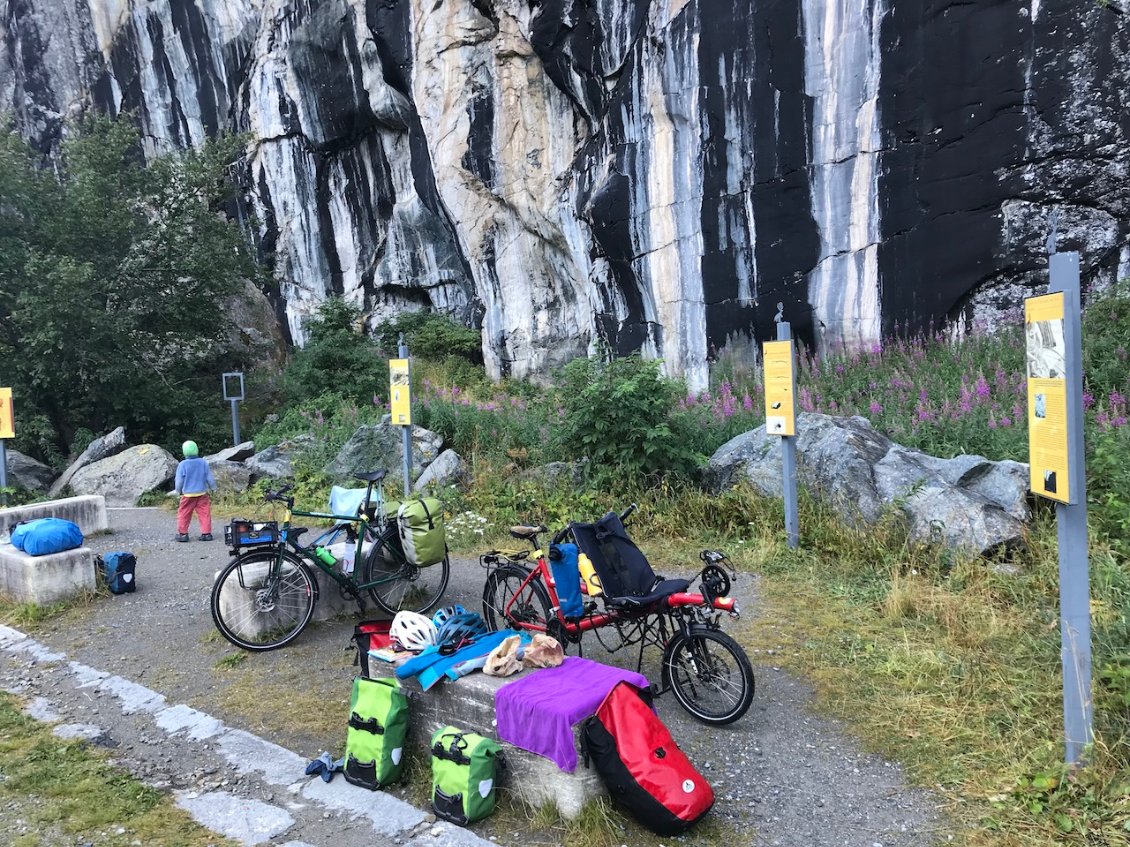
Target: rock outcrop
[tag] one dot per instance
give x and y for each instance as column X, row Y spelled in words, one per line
column 656, row 175
column 448, row 468
column 98, row 449
column 967, row 503
column 124, row 477
column 27, row 473
column 377, row 447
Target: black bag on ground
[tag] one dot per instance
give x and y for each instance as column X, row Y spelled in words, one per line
column 118, row 570
column 641, row 764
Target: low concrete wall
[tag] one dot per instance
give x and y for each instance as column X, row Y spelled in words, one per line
column 468, row 703
column 45, row 579
column 88, row 511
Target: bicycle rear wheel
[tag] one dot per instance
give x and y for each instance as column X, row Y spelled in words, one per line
column 709, row 674
column 530, row 607
column 400, row 585
column 256, row 608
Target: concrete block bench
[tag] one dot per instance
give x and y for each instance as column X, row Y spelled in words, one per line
column 468, row 703
column 88, row 511
column 45, row 579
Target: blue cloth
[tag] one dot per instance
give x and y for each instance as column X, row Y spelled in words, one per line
column 194, row 477
column 346, row 501
column 481, row 646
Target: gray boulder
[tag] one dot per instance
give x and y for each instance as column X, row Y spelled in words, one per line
column 967, row 503
column 555, row 474
column 98, row 449
column 372, row 448
column 447, row 469
column 233, row 454
column 230, row 476
column 27, row 473
column 277, row 461
column 125, row 476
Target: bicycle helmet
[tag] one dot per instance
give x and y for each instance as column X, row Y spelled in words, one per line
column 447, row 613
column 459, row 628
column 190, row 450
column 412, row 631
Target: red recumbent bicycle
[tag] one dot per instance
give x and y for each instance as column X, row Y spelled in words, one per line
column 707, row 670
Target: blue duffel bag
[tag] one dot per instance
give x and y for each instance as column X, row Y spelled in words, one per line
column 44, row 536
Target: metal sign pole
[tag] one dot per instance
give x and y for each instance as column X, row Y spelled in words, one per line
column 788, row 462
column 406, row 431
column 1071, row 524
column 3, row 473
column 235, row 423
column 234, row 395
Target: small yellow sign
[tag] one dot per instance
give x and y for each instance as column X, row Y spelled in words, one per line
column 7, row 414
column 400, row 391
column 1046, row 355
column 780, row 382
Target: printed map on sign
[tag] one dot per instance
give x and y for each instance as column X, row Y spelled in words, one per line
column 1046, row 356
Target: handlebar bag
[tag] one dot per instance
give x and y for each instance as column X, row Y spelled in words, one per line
column 464, row 769
column 44, row 536
column 374, row 742
column 641, row 764
column 420, row 523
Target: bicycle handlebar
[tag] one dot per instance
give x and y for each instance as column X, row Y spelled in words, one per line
column 627, row 513
column 279, row 495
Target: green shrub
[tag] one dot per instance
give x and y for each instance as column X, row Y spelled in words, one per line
column 338, row 359
column 430, row 336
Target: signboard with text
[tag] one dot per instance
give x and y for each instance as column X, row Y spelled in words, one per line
column 400, row 392
column 1046, row 354
column 780, row 382
column 7, row 414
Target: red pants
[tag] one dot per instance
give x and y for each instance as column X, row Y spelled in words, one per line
column 202, row 505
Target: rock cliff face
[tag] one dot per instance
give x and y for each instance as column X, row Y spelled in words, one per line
column 658, row 174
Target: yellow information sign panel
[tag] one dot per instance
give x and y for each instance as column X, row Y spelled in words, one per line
column 1047, row 396
column 400, row 392
column 780, row 407
column 7, row 414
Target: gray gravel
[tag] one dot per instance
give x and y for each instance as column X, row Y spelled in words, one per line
column 782, row 775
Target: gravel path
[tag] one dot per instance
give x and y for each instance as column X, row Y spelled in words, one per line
column 783, row 776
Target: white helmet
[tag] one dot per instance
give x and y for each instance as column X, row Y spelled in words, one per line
column 412, row 631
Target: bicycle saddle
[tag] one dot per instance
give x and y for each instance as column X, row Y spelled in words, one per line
column 527, row 533
column 295, row 531
column 371, row 476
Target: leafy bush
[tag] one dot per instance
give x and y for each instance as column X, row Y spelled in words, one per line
column 338, row 358
column 430, row 336
column 619, row 414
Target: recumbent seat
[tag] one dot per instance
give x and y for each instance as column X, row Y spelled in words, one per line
column 625, row 574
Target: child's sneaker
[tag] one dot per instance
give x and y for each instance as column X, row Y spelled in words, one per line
column 207, row 536
column 181, row 536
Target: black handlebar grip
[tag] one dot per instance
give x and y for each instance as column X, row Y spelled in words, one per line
column 627, row 513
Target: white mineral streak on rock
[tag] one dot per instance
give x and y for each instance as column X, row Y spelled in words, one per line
column 107, row 17
column 842, row 76
column 529, row 255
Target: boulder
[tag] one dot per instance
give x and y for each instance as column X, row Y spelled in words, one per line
column 968, row 503
column 27, row 473
column 378, row 446
column 125, row 476
column 230, row 476
column 98, row 449
column 556, row 474
column 447, row 469
column 277, row 461
column 233, row 454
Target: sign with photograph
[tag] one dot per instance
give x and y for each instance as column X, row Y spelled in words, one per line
column 1047, row 397
column 400, row 392
column 780, row 382
column 7, row 414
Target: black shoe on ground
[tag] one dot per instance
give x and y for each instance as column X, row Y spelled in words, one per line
column 183, row 536
column 206, row 536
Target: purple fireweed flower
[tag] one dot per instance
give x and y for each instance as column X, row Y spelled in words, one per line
column 376, row 400
column 1006, row 421
column 992, row 421
column 1116, row 399
column 1119, row 421
column 981, row 388
column 923, row 396
column 747, row 402
column 875, row 407
column 839, row 369
column 1102, row 419
column 1088, row 400
column 806, row 400
column 1017, row 411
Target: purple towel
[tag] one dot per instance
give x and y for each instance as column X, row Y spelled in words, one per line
column 537, row 712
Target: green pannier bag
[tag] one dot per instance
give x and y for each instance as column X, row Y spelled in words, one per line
column 374, row 743
column 463, row 775
column 421, row 531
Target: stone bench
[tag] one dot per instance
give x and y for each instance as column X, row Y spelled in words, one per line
column 45, row 579
column 468, row 703
column 88, row 511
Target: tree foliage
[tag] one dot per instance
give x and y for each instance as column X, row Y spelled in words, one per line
column 112, row 281
column 338, row 359
column 430, row 336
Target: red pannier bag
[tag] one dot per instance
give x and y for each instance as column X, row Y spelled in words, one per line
column 370, row 635
column 641, row 764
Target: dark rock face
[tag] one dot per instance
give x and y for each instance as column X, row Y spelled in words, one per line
column 656, row 175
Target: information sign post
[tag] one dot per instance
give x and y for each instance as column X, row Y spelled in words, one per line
column 1052, row 330
column 400, row 404
column 233, row 392
column 780, row 416
column 7, row 430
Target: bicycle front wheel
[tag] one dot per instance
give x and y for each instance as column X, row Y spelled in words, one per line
column 709, row 674
column 395, row 584
column 507, row 603
column 258, row 607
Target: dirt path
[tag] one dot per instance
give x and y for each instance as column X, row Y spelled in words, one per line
column 782, row 775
